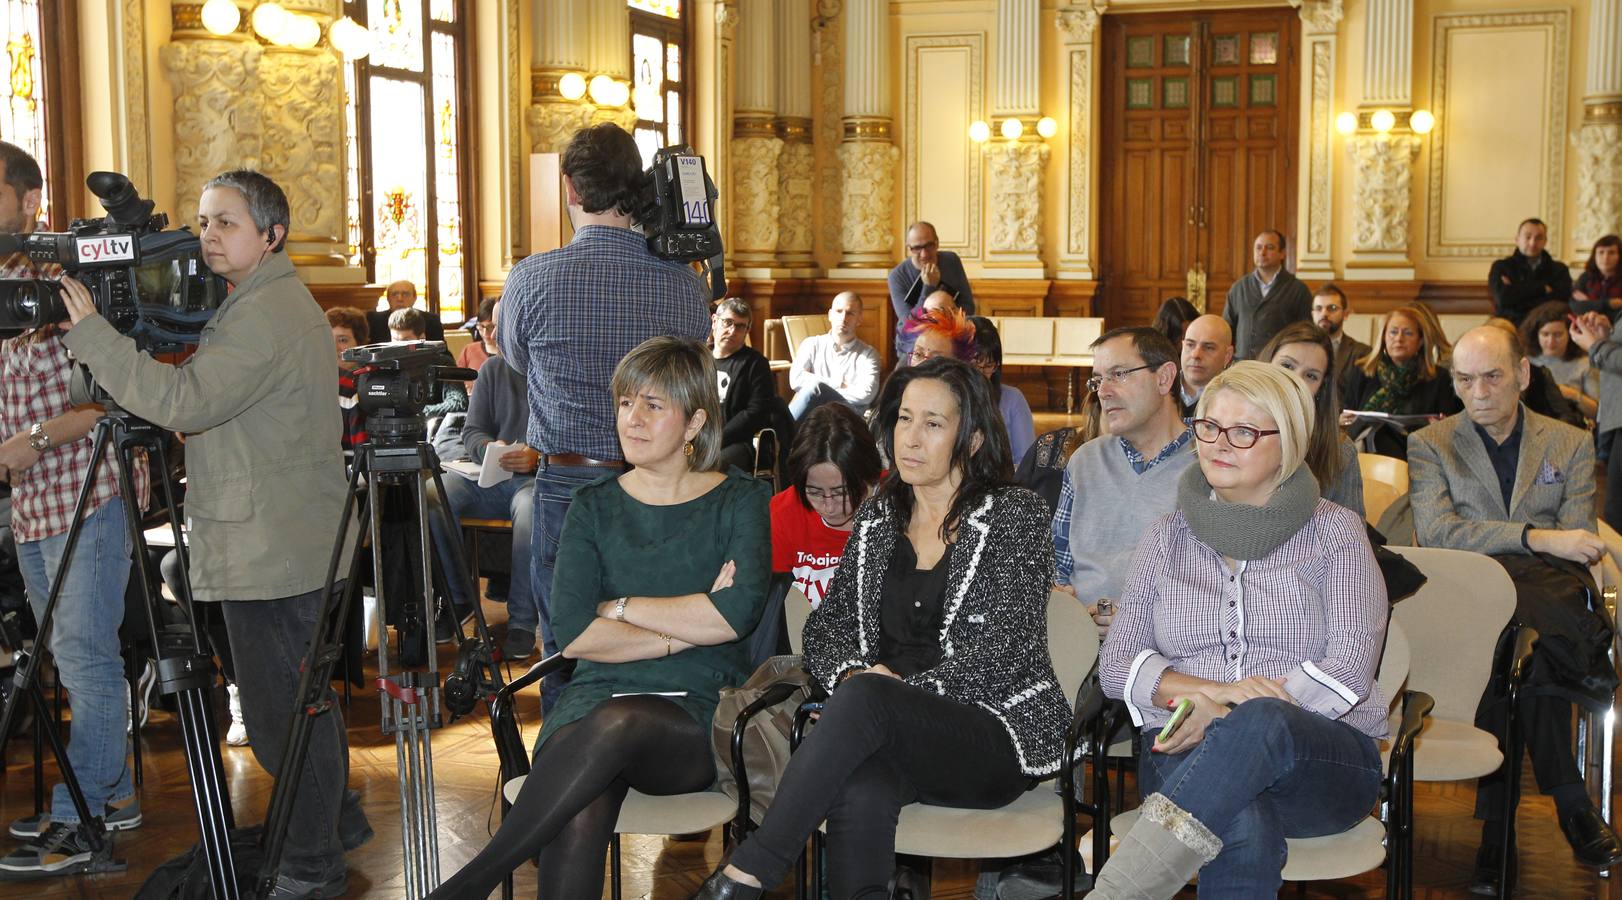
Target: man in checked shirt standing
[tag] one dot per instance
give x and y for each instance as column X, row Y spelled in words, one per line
column 45, row 456
column 569, row 316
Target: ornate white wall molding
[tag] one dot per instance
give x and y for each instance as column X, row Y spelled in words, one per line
column 217, row 109
column 1599, row 180
column 552, row 123
column 868, row 200
column 1019, row 58
column 303, row 146
column 796, row 176
column 1016, row 201
column 1388, row 53
column 1320, row 16
column 1079, row 24
column 829, row 54
column 963, row 55
column 754, row 200
column 1383, row 167
column 1315, row 215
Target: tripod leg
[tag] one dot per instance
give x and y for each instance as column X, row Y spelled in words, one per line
column 448, row 521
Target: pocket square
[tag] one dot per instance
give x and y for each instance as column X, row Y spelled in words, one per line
column 1548, row 473
column 977, row 619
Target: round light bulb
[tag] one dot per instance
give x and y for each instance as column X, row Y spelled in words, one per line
column 1383, row 120
column 303, row 32
column 1046, row 127
column 350, row 38
column 602, row 90
column 270, row 20
column 1012, row 129
column 622, row 94
column 1422, row 122
column 979, row 132
column 572, row 86
column 221, row 17
column 1346, row 123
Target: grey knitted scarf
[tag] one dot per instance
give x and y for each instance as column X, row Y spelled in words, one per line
column 1240, row 530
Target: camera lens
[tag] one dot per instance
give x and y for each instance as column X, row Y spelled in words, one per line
column 30, row 304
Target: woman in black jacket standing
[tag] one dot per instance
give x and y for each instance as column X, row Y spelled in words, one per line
column 932, row 641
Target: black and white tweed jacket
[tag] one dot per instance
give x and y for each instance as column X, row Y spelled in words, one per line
column 994, row 643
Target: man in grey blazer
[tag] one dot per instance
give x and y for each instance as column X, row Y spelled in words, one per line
column 1501, row 480
column 1267, row 299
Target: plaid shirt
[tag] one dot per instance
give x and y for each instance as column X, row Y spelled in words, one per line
column 1312, row 612
column 34, row 377
column 1064, row 561
column 570, row 315
column 354, row 418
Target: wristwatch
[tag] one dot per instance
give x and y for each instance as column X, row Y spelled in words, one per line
column 38, row 439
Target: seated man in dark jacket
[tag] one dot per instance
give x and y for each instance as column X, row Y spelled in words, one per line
column 1529, row 276
column 745, row 380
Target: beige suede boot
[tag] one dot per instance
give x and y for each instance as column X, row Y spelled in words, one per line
column 1158, row 856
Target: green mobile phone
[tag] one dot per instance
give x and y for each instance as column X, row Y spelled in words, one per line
column 1177, row 717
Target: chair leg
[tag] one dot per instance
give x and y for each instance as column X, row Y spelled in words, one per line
column 614, row 868
column 132, row 678
column 1514, row 749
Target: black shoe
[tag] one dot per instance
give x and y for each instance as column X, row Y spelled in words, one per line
column 720, row 887
column 1485, row 879
column 444, row 629
column 1592, row 841
column 1043, row 874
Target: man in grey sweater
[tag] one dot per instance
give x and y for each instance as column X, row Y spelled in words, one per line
column 1267, row 299
column 1116, row 485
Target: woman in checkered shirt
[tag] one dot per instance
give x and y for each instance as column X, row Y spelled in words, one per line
column 1261, row 604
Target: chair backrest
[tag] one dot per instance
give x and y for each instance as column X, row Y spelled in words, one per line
column 1076, row 335
column 1026, row 336
column 1612, row 562
column 1387, row 470
column 1361, row 326
column 796, row 609
column 456, row 339
column 1072, row 641
column 1377, row 498
column 1452, row 625
column 1454, row 325
column 1394, row 662
column 797, row 328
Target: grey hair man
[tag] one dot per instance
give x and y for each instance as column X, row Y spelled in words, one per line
column 926, row 270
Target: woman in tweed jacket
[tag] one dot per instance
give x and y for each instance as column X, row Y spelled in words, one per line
column 932, row 641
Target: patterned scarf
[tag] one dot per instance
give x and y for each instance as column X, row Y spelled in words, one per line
column 1396, row 382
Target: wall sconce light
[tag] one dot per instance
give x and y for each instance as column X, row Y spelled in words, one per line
column 221, row 17
column 350, row 38
column 1047, row 127
column 605, row 91
column 1346, row 122
column 1422, row 121
column 572, row 86
column 303, row 32
column 270, row 21
column 1383, row 120
column 1012, row 128
column 979, row 132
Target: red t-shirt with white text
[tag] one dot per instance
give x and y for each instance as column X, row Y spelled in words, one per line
column 803, row 546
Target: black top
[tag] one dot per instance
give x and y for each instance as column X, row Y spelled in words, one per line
column 910, row 610
column 377, row 323
column 747, row 390
column 1433, row 396
column 1519, row 283
column 1504, row 457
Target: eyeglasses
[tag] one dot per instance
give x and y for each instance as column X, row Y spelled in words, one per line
column 831, row 495
column 726, row 324
column 919, row 355
column 1118, row 376
column 1240, row 437
column 919, row 248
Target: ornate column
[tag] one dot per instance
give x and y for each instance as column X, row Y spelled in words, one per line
column 1599, row 140
column 1079, row 23
column 608, row 43
column 1013, row 241
column 796, row 164
column 1320, row 20
column 556, row 50
column 1383, row 159
column 867, row 155
column 755, row 144
column 302, row 147
column 218, row 109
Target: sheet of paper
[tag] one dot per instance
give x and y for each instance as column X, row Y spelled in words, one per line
column 466, row 468
column 492, row 473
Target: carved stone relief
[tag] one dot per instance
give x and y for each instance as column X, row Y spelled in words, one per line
column 1016, row 196
column 1321, row 136
column 552, row 123
column 829, row 51
column 1320, row 16
column 1599, row 183
column 1383, row 168
column 796, row 172
column 754, row 201
column 868, row 200
column 303, row 132
column 217, row 110
column 1079, row 23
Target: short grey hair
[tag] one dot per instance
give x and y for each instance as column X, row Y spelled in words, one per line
column 267, row 202
column 738, row 307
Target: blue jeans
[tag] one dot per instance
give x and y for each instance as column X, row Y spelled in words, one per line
column 1268, row 771
column 84, row 641
column 511, row 499
column 812, row 396
column 554, row 491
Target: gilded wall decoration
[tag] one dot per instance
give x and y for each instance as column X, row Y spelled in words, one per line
column 754, row 199
column 303, row 147
column 553, row 122
column 217, row 109
column 796, row 172
column 1322, row 134
column 1383, row 167
column 1599, row 183
column 1320, row 16
column 868, row 200
column 1016, row 196
column 828, row 131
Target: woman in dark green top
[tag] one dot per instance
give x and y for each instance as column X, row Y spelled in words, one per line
column 661, row 575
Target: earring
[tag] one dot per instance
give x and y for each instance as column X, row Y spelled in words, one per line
column 687, row 449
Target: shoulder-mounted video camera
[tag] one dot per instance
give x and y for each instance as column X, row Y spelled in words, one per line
column 680, row 223
column 151, row 284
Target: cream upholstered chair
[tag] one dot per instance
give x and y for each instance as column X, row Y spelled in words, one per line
column 1387, row 470
column 1596, row 731
column 1364, row 846
column 796, row 609
column 1039, row 818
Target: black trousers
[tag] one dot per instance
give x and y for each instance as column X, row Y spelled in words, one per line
column 879, row 745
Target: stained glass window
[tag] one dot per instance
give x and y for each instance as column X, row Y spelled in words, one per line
column 406, row 127
column 658, row 85
column 22, row 93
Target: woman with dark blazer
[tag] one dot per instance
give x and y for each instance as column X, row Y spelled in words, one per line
column 932, row 641
column 1402, row 375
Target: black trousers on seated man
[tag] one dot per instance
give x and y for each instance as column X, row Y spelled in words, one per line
column 1569, row 667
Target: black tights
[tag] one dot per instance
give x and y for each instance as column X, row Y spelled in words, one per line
column 571, row 800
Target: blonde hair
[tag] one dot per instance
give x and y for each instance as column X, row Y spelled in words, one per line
column 682, row 369
column 1280, row 394
column 1433, row 342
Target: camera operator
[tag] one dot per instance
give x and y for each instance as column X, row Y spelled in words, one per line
column 265, row 490
column 570, row 315
column 46, row 456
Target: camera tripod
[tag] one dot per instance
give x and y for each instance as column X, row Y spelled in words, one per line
column 185, row 666
column 397, row 456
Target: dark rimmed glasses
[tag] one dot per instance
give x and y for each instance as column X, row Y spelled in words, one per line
column 1240, row 437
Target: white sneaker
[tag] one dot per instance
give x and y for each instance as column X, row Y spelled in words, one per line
column 237, row 734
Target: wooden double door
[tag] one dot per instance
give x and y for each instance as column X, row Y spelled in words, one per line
column 1198, row 152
